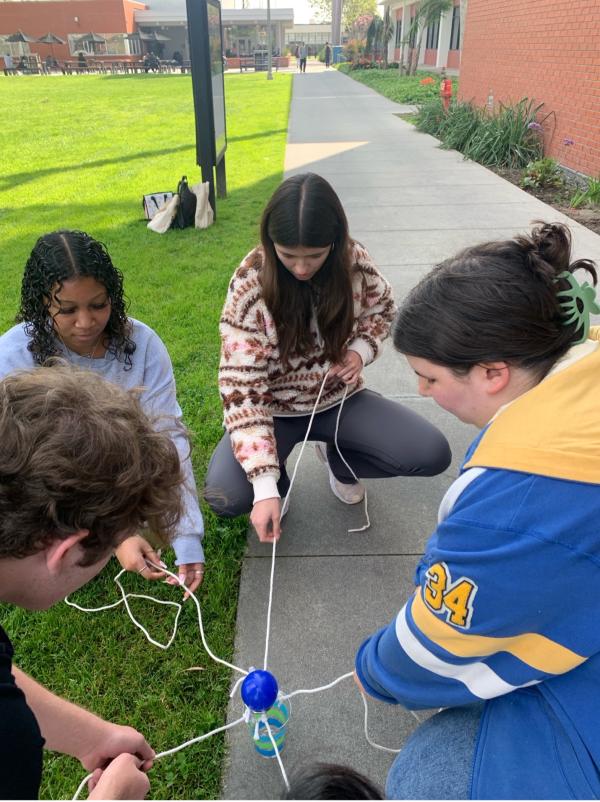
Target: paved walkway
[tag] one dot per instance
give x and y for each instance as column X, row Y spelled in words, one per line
column 412, row 205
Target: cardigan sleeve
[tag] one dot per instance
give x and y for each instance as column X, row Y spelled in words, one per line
column 243, row 381
column 376, row 305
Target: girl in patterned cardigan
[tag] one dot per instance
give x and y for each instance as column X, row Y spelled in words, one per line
column 308, row 302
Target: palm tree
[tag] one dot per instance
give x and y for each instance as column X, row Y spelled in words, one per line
column 379, row 34
column 387, row 33
column 428, row 13
column 373, row 36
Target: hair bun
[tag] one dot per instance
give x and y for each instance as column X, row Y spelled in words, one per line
column 547, row 250
column 552, row 244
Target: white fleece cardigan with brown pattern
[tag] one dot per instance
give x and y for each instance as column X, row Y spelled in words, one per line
column 254, row 386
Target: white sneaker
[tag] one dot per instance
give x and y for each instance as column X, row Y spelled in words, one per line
column 349, row 494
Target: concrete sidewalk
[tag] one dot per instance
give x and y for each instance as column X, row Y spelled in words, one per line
column 411, row 204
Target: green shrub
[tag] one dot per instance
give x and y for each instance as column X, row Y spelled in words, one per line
column 459, row 125
column 587, row 197
column 431, row 117
column 396, row 87
column 506, row 139
column 542, row 173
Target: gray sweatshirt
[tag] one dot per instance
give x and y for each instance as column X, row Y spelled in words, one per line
column 152, row 370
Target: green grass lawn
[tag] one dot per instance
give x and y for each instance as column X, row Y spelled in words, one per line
column 81, row 153
column 400, row 88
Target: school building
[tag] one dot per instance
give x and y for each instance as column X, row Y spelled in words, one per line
column 440, row 43
column 127, row 28
column 547, row 50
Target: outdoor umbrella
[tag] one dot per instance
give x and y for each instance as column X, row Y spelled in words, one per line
column 92, row 37
column 154, row 37
column 51, row 39
column 19, row 36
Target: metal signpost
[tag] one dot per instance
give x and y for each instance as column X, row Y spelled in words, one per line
column 206, row 60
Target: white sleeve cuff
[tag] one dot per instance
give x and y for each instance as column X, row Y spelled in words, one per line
column 265, row 487
column 363, row 350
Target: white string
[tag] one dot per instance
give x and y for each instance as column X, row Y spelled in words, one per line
column 316, row 690
column 283, row 506
column 81, row 786
column 335, row 440
column 172, row 751
column 377, row 746
column 198, row 738
column 287, row 496
column 277, row 755
column 125, row 596
column 124, row 600
column 271, row 582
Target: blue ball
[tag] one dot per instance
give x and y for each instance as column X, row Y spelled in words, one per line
column 259, row 690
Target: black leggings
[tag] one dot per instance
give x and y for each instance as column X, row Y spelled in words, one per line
column 379, row 438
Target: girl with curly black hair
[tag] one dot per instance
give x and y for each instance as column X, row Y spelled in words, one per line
column 73, row 307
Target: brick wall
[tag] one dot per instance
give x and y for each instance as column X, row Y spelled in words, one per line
column 58, row 16
column 548, row 50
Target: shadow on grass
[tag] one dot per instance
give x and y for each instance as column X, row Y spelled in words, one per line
column 16, row 179
column 257, row 135
column 143, row 76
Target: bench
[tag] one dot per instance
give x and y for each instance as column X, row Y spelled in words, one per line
column 246, row 63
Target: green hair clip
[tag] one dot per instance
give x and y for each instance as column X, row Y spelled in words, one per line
column 580, row 302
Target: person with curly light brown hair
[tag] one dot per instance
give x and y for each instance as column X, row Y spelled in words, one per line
column 81, row 468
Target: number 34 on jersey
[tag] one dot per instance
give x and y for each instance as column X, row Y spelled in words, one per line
column 455, row 599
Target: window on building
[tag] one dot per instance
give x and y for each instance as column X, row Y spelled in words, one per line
column 433, row 34
column 398, row 33
column 135, row 47
column 455, row 31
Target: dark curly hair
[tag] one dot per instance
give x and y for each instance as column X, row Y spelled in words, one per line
column 60, row 256
column 79, row 452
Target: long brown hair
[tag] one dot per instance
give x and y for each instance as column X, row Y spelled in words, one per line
column 305, row 212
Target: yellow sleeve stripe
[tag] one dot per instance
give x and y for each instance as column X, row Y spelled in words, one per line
column 535, row 650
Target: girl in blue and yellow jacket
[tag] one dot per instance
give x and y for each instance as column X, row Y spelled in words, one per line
column 503, row 629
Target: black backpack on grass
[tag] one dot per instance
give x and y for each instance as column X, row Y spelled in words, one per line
column 186, row 211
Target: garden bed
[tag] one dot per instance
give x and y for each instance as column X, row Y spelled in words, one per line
column 558, row 197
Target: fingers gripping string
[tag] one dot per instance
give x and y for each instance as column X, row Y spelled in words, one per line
column 172, row 751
